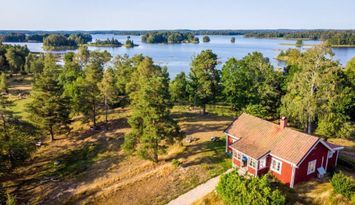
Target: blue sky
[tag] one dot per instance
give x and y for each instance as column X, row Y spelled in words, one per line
column 181, row 14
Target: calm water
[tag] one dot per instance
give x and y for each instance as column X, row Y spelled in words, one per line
column 177, row 57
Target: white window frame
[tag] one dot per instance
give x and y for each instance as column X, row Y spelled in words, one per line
column 262, row 163
column 330, row 154
column 277, row 162
column 311, row 168
column 237, row 155
column 252, row 163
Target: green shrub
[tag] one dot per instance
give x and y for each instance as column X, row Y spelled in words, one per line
column 11, row 200
column 2, row 195
column 176, row 162
column 238, row 190
column 343, row 185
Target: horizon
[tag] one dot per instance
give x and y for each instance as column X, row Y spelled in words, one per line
column 42, row 15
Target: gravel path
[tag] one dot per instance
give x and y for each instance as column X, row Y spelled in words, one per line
column 196, row 193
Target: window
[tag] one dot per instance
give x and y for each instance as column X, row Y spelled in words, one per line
column 252, row 163
column 311, row 166
column 237, row 155
column 330, row 154
column 262, row 163
column 276, row 165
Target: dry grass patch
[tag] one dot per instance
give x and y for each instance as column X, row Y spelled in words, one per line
column 210, row 199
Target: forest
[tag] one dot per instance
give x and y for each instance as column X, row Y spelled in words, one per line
column 316, row 93
column 331, row 37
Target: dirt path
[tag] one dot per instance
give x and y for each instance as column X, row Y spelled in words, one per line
column 197, row 193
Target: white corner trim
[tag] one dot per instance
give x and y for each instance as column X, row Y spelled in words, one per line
column 292, row 183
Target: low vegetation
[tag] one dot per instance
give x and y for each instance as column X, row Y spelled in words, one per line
column 344, row 185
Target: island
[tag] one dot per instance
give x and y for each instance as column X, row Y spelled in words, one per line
column 171, row 37
column 65, row 42
column 106, row 43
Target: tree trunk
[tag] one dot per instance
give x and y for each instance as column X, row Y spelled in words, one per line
column 203, row 109
column 94, row 114
column 309, row 126
column 51, row 133
column 106, row 113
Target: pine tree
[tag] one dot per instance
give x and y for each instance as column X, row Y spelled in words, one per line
column 108, row 90
column 49, row 109
column 204, row 79
column 151, row 120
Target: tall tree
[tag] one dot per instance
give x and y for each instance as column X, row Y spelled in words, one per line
column 151, row 120
column 251, row 84
column 315, row 95
column 86, row 92
column 16, row 137
column 108, row 90
column 49, row 109
column 204, row 79
column 179, row 89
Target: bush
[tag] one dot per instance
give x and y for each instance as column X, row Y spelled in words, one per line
column 238, row 190
column 176, row 162
column 2, row 195
column 343, row 185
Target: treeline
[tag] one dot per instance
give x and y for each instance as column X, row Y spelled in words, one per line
column 331, row 37
column 314, row 92
column 169, row 37
column 63, row 42
column 79, row 38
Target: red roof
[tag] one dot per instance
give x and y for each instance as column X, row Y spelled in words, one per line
column 259, row 137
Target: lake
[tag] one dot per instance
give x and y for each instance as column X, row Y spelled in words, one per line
column 177, row 57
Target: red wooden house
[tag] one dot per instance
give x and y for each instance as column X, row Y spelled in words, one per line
column 259, row 146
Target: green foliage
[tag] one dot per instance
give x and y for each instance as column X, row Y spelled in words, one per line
column 176, row 163
column 80, row 38
column 206, row 39
column 151, row 120
column 107, row 43
column 317, row 94
column 59, row 42
column 256, row 110
column 129, row 43
column 3, row 83
column 13, row 58
column 299, row 43
column 16, row 137
column 178, row 89
column 252, row 82
column 204, row 79
column 49, row 108
column 343, row 185
column 168, row 37
column 34, row 63
column 85, row 90
column 124, row 67
column 108, row 89
column 240, row 190
column 2, row 195
column 11, row 200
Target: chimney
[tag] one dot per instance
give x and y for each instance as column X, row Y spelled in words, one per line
column 283, row 122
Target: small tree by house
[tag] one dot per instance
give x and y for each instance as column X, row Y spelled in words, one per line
column 234, row 189
column 343, row 185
